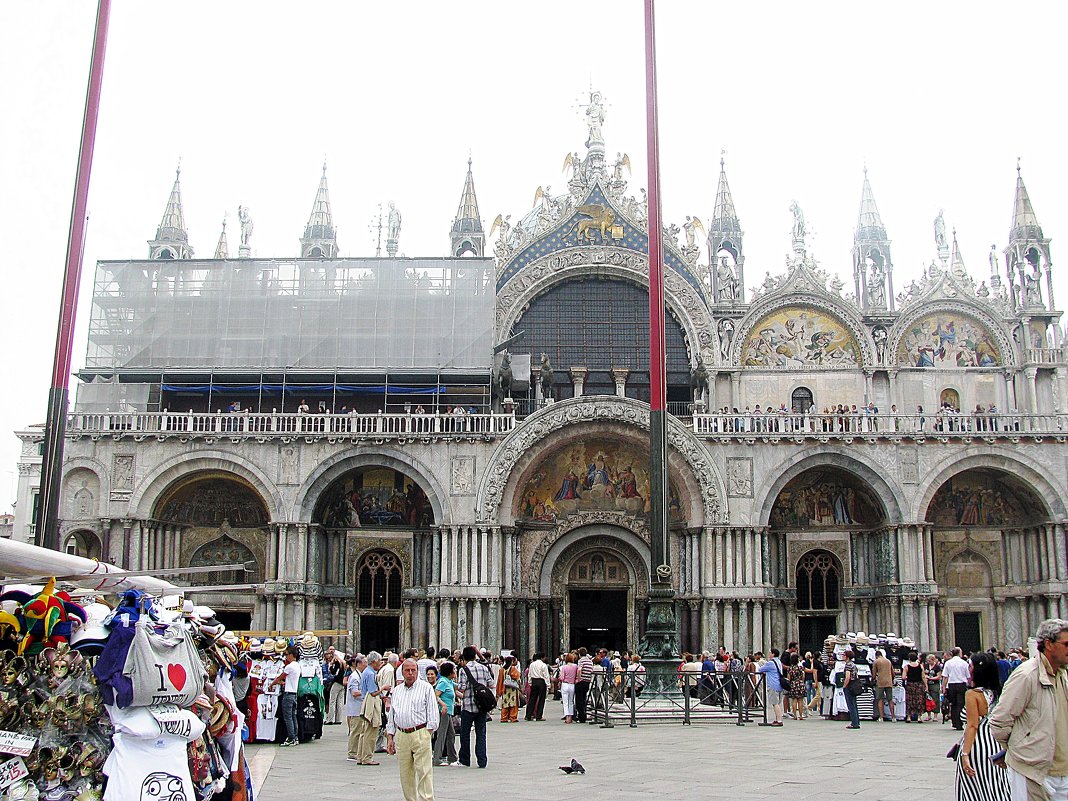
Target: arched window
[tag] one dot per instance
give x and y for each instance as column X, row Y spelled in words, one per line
column 378, row 581
column 800, row 400
column 817, row 582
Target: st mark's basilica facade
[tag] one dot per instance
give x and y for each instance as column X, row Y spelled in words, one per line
column 302, row 414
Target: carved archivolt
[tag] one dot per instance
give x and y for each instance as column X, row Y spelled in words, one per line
column 588, row 409
column 595, row 543
column 612, row 263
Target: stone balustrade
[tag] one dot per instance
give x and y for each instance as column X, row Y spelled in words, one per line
column 280, row 426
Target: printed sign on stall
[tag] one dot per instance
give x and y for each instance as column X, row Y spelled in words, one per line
column 12, row 743
column 11, row 771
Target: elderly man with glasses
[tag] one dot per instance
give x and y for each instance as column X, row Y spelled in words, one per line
column 1031, row 719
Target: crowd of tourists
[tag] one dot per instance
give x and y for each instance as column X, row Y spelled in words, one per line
column 845, row 418
column 431, row 708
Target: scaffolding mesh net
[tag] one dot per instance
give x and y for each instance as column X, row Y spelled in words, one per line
column 433, row 314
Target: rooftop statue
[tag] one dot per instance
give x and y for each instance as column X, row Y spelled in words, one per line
column 799, row 222
column 940, row 231
column 595, row 119
column 246, row 224
column 394, row 221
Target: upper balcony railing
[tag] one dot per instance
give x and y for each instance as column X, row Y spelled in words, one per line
column 850, row 425
column 775, row 425
column 1045, row 356
column 276, row 426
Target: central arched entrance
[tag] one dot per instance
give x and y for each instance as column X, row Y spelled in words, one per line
column 598, row 576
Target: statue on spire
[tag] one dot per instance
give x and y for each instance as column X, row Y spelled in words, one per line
column 594, row 120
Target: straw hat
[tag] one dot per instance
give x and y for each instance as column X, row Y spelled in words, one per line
column 309, row 640
column 907, row 642
column 280, row 646
column 255, row 647
column 841, row 639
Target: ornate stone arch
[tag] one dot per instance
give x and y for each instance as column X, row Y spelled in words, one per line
column 890, row 495
column 549, row 566
column 794, row 295
column 962, row 306
column 148, row 491
column 500, row 472
column 103, row 476
column 946, row 559
column 327, row 471
column 685, row 304
column 999, row 458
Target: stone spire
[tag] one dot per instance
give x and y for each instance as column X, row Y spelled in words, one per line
column 222, row 250
column 725, row 254
column 1027, row 256
column 872, row 267
column 320, row 236
column 467, row 236
column 172, row 240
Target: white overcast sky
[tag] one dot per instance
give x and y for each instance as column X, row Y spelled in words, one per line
column 937, row 99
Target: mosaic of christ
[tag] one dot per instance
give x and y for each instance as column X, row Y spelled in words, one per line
column 591, row 475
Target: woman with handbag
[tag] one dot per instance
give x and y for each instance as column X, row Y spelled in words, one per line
column 977, row 778
column 443, row 680
column 508, row 690
column 568, row 677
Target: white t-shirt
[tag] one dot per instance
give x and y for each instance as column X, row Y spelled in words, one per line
column 292, row 673
column 956, row 671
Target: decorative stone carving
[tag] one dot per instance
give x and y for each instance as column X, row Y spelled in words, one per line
column 559, row 580
column 739, row 477
column 589, row 409
column 909, row 463
column 462, row 475
column 797, row 545
column 359, row 545
column 122, row 476
column 950, row 545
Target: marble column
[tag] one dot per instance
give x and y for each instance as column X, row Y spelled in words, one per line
column 619, row 376
column 478, row 633
column 743, row 645
column 493, row 626
column 710, row 638
column 759, row 643
column 434, row 623
column 578, row 379
column 728, row 625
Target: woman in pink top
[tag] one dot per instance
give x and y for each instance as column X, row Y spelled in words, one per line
column 568, row 676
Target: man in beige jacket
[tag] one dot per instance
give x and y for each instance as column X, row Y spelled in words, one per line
column 1031, row 719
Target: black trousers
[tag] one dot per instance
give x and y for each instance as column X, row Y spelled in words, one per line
column 955, row 693
column 536, row 702
column 582, row 693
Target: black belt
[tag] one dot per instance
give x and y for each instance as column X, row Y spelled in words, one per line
column 415, row 729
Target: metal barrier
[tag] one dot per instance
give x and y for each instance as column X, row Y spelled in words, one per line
column 628, row 697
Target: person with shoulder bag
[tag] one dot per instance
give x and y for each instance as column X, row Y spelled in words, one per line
column 477, row 700
column 508, row 690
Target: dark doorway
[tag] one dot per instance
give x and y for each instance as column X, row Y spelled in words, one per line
column 812, row 631
column 234, row 621
column 598, row 619
column 966, row 634
column 379, row 633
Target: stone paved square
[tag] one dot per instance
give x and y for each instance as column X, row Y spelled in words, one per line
column 807, row 759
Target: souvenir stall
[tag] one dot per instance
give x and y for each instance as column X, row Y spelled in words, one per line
column 864, row 647
column 109, row 692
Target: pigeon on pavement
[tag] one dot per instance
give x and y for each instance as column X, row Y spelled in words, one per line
column 574, row 767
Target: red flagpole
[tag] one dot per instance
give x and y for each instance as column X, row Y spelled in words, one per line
column 56, row 419
column 657, row 353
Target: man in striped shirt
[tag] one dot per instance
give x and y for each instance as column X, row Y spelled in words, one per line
column 413, row 719
column 582, row 686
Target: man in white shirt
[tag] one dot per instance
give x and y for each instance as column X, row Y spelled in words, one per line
column 290, row 678
column 427, row 661
column 538, row 675
column 955, row 676
column 413, row 719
